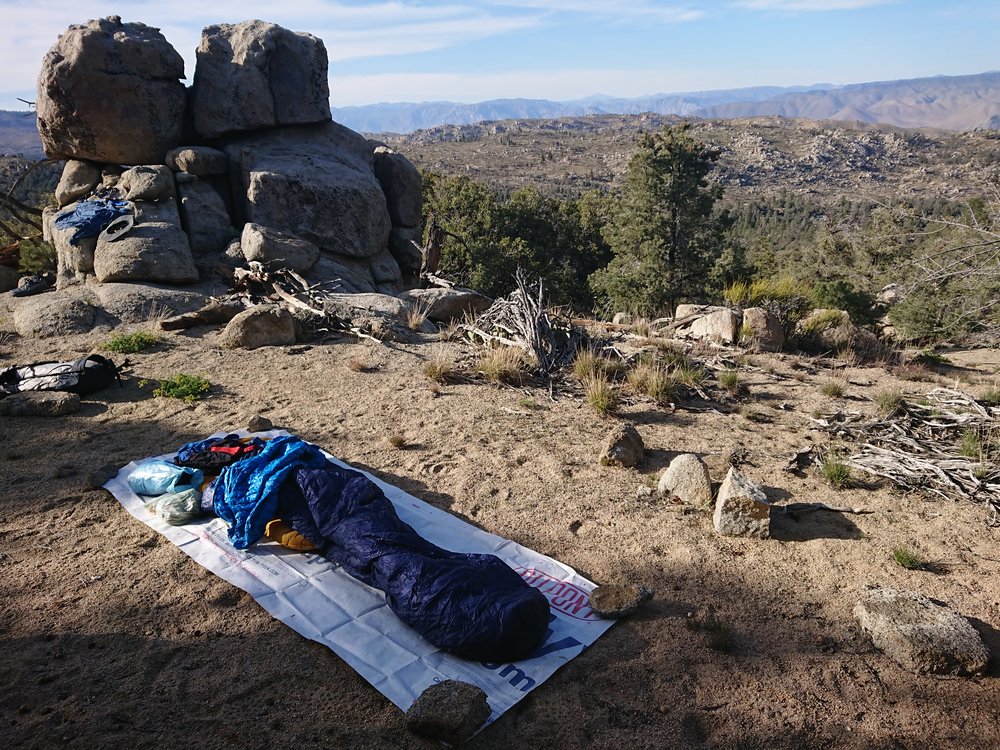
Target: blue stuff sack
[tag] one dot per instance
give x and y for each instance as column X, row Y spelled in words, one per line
column 160, row 477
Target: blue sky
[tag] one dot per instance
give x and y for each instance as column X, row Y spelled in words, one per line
column 558, row 49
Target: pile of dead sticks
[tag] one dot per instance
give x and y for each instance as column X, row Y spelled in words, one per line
column 946, row 443
column 522, row 320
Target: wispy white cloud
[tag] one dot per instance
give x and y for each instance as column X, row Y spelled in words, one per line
column 810, row 6
column 350, row 31
column 620, row 10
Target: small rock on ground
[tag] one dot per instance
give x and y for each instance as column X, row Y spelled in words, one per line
column 257, row 423
column 622, row 447
column 919, row 635
column 39, row 404
column 614, row 601
column 742, row 508
column 687, row 478
column 450, row 711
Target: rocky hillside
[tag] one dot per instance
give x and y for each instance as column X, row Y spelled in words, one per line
column 759, row 155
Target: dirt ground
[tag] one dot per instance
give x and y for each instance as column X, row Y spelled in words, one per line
column 111, row 637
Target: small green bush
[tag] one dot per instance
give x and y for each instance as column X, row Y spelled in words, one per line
column 991, row 397
column 821, row 322
column 970, row 445
column 835, row 471
column 37, row 256
column 131, row 343
column 841, row 295
column 729, row 381
column 185, row 387
column 908, row 559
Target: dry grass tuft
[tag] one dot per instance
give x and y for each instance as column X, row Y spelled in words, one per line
column 439, row 368
column 600, row 395
column 504, row 364
column 653, row 380
column 397, row 441
column 416, row 315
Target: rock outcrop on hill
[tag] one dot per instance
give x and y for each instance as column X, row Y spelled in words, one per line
column 251, row 144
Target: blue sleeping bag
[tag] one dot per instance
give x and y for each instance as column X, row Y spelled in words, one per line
column 470, row 605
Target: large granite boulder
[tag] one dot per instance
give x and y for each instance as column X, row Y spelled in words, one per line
column 402, row 185
column 403, row 249
column 203, row 215
column 254, row 75
column 155, row 251
column 315, row 182
column 111, row 92
column 153, row 182
column 278, row 249
column 197, row 160
column 445, row 305
column 75, row 263
column 78, row 179
column 58, row 314
column 263, row 325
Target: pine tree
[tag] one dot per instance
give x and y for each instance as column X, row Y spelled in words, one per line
column 665, row 234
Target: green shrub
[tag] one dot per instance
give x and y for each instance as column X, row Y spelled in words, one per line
column 729, row 381
column 822, row 321
column 970, row 445
column 185, row 387
column 37, row 256
column 842, row 295
column 908, row 559
column 991, row 397
column 835, row 471
column 785, row 297
column 131, row 343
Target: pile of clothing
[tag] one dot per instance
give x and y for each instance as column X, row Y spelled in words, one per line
column 284, row 489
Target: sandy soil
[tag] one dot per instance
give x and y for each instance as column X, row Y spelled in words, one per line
column 111, row 637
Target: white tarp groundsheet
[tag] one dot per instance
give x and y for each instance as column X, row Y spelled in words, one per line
column 321, row 602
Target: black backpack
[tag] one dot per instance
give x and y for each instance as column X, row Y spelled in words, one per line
column 87, row 375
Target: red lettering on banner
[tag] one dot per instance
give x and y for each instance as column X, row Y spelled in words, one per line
column 565, row 597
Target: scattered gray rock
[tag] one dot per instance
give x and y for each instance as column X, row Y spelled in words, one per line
column 402, row 186
column 614, row 601
column 97, row 478
column 39, row 404
column 254, row 75
column 78, row 179
column 920, row 635
column 450, row 711
column 258, row 423
column 687, row 478
column 720, row 325
column 204, row 216
column 445, row 305
column 197, row 160
column 765, row 328
column 137, row 303
column 891, row 294
column 147, row 183
column 154, row 251
column 49, row 315
column 622, row 447
column 263, row 325
column 111, row 92
column 353, row 305
column 279, row 249
column 742, row 508
column 157, row 212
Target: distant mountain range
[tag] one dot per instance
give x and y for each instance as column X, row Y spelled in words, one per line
column 949, row 102
column 960, row 103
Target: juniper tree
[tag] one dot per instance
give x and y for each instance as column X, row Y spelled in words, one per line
column 666, row 234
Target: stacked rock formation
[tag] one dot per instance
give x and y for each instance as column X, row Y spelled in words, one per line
column 247, row 165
